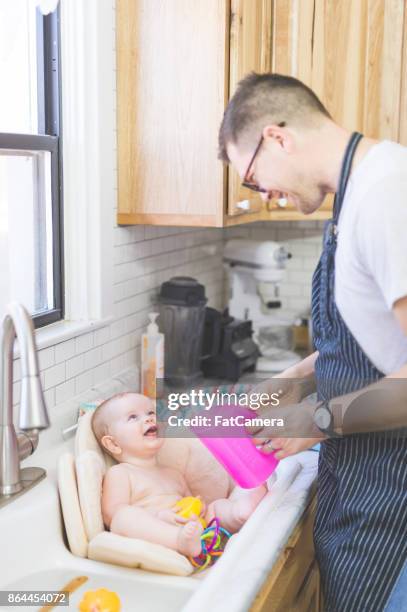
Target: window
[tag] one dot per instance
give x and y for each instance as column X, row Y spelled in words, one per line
column 30, row 160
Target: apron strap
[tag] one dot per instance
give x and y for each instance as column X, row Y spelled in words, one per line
column 345, row 172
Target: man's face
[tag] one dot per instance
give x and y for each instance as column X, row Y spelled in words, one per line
column 282, row 167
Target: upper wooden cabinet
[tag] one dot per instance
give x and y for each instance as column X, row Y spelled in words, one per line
column 178, row 61
column 172, row 71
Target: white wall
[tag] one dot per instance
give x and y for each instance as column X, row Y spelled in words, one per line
column 144, row 257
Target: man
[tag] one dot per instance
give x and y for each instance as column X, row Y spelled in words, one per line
column 284, row 143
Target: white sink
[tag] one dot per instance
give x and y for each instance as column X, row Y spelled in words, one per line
column 34, row 555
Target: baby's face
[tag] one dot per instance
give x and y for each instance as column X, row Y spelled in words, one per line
column 133, row 428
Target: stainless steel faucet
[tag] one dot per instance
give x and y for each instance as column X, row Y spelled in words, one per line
column 33, row 412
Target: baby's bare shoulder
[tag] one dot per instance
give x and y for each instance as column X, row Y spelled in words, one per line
column 117, row 472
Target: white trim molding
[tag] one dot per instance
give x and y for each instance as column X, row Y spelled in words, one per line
column 88, row 130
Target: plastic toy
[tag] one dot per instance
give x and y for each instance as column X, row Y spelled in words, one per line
column 189, row 506
column 213, row 539
column 101, row 600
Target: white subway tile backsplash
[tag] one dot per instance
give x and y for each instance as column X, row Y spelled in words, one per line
column 75, row 366
column 288, row 234
column 46, row 357
column 49, row 396
column 311, row 263
column 54, row 376
column 298, row 276
column 118, row 363
column 297, row 305
column 101, row 336
column 300, row 248
column 64, row 391
column 118, row 328
column 64, row 350
column 84, row 381
column 102, row 373
column 84, row 342
column 93, row 358
column 290, row 290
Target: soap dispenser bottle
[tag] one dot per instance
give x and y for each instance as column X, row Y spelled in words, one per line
column 152, row 359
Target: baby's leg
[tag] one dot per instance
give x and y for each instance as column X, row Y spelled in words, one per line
column 234, row 512
column 134, row 522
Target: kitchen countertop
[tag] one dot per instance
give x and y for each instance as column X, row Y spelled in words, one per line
column 237, row 577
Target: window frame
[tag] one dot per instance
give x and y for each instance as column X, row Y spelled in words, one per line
column 49, row 140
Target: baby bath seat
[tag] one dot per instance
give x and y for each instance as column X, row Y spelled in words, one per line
column 80, row 480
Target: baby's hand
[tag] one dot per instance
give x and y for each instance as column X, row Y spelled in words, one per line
column 170, row 516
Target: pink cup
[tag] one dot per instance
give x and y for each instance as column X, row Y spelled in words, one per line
column 233, row 448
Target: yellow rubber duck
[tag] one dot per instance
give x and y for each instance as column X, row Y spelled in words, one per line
column 101, row 600
column 188, row 506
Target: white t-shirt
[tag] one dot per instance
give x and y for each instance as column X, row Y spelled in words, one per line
column 371, row 256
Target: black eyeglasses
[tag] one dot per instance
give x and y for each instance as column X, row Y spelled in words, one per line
column 248, row 184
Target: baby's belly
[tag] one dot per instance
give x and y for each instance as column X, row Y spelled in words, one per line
column 157, row 502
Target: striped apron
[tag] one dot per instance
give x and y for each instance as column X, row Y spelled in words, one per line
column 360, row 530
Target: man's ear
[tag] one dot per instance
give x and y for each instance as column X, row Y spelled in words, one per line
column 110, row 445
column 279, row 134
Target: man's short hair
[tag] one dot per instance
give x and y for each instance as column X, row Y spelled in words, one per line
column 262, row 99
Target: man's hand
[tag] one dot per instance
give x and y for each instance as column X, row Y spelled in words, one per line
column 297, row 434
column 285, row 447
column 290, row 390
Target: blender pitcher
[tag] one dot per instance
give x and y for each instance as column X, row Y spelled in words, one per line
column 182, row 303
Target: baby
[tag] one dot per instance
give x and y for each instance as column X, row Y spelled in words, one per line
column 139, row 494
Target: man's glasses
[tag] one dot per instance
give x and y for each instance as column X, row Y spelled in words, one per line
column 250, row 184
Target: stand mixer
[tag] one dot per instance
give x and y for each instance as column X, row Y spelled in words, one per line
column 256, row 269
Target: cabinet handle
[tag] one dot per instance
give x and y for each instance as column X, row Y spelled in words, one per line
column 282, row 202
column 243, row 205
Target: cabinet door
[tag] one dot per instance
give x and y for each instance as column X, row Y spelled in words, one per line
column 308, row 598
column 292, row 54
column 172, row 85
column 293, row 24
column 357, row 63
column 250, row 50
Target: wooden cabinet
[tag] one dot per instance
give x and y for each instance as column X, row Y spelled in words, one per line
column 177, row 64
column 172, row 86
column 293, row 583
